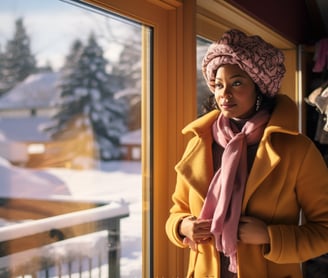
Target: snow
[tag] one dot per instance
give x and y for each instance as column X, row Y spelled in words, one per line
column 114, row 181
column 37, row 90
column 85, row 247
column 22, row 130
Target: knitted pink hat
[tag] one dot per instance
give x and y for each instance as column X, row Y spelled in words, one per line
column 260, row 60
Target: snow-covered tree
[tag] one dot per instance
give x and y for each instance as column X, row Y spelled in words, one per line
column 2, row 83
column 129, row 64
column 129, row 67
column 18, row 61
column 85, row 90
column 74, row 55
column 67, row 84
column 204, row 101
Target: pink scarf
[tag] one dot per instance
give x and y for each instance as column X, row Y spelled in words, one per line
column 225, row 194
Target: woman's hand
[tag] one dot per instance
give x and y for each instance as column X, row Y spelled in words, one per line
column 253, row 231
column 196, row 231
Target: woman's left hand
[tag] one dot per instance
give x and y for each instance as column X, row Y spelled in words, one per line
column 252, row 230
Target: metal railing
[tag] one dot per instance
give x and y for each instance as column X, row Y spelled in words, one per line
column 83, row 243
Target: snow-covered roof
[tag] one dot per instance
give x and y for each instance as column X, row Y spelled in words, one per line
column 37, row 90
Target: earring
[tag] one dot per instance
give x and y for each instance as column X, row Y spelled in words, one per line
column 258, row 102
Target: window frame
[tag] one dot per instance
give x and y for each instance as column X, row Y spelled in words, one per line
column 174, row 65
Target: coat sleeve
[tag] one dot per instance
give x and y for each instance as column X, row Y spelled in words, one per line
column 181, row 206
column 298, row 243
column 178, row 211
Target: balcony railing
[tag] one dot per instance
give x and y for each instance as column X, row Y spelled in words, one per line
column 84, row 242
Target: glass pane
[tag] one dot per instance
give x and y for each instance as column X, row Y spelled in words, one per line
column 203, row 92
column 70, row 141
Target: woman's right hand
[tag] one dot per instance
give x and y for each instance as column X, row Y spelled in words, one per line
column 196, row 231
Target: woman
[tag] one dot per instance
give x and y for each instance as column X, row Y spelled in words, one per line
column 247, row 172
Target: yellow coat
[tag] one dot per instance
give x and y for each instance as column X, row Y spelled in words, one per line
column 288, row 175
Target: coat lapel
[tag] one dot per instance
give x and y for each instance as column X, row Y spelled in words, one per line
column 266, row 157
column 196, row 165
column 260, row 170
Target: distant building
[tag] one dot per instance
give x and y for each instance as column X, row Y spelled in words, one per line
column 131, row 145
column 31, row 97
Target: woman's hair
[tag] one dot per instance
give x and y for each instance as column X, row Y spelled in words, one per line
column 209, row 104
column 266, row 102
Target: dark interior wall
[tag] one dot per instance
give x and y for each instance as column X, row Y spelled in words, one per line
column 290, row 18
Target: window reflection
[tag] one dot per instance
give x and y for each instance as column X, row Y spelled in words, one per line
column 203, row 92
column 70, row 141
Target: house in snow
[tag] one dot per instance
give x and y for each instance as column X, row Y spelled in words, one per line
column 131, row 145
column 30, row 97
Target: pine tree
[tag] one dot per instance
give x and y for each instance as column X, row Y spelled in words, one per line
column 18, row 61
column 129, row 66
column 75, row 53
column 205, row 101
column 85, row 90
column 59, row 122
column 2, row 83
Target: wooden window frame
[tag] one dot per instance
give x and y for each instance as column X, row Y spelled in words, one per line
column 174, row 82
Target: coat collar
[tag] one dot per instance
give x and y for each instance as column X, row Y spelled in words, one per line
column 196, row 166
column 284, row 118
column 202, row 125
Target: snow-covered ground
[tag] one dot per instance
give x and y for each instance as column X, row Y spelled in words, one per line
column 114, row 181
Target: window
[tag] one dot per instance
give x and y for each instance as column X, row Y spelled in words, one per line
column 203, row 92
column 70, row 140
column 168, row 71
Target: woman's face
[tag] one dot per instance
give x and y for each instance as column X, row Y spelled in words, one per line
column 235, row 92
